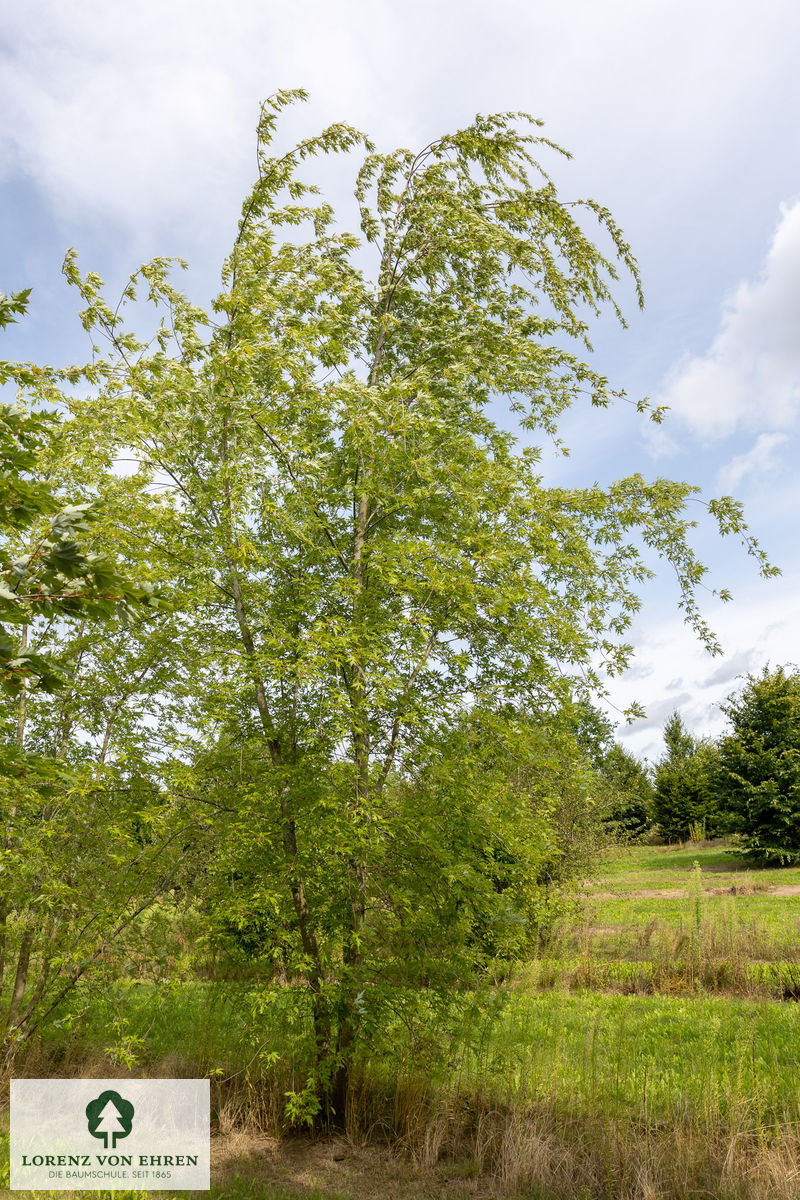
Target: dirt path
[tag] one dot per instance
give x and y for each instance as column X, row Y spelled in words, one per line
column 679, row 893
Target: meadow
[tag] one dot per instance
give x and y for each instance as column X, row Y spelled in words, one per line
column 651, row 1050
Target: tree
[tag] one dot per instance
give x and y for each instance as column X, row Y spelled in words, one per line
column 593, row 731
column 684, row 799
column 93, row 836
column 630, row 804
column 487, row 819
column 365, row 552
column 626, row 785
column 75, row 870
column 759, row 765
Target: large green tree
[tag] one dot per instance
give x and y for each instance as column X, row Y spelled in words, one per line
column 684, row 798
column 364, row 550
column 758, row 778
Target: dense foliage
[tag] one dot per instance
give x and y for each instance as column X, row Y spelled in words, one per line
column 759, row 765
column 631, row 802
column 684, row 802
column 46, row 568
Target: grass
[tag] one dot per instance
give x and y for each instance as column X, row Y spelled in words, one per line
column 687, row 915
column 207, row 1027
column 576, row 1050
column 632, row 867
column 632, row 1055
column 644, row 1056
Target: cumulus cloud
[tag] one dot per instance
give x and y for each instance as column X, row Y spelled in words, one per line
column 145, row 112
column 760, row 627
column 749, row 378
column 738, row 664
column 758, row 460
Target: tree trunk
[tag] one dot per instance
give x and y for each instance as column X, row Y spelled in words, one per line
column 21, row 979
column 352, row 955
column 319, row 1010
column 3, row 936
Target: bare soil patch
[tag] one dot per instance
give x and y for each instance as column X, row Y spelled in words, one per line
column 304, row 1166
column 678, row 892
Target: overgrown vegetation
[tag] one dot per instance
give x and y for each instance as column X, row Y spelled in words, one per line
column 626, row 1056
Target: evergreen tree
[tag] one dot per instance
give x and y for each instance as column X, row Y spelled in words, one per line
column 630, row 805
column 759, row 765
column 684, row 800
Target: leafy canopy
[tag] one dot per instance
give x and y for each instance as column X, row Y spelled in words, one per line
column 46, row 570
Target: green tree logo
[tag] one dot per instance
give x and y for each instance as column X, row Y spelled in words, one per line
column 109, row 1116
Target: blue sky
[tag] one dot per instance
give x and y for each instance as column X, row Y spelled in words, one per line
column 127, row 130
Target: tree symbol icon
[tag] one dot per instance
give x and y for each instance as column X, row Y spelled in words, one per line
column 109, row 1116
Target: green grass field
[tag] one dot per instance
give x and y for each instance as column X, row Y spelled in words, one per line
column 657, row 1039
column 647, row 902
column 633, row 867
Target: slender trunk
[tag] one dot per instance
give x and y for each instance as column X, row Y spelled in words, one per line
column 23, row 965
column 8, row 833
column 321, row 1019
column 22, row 702
column 106, row 742
column 352, row 955
column 3, row 936
column 319, row 1009
column 44, row 975
column 316, row 979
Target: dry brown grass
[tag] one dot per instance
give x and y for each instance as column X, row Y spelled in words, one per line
column 415, row 1144
column 539, row 1156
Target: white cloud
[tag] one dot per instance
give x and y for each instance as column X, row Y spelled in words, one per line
column 749, row 378
column 145, row 111
column 758, row 460
column 758, row 627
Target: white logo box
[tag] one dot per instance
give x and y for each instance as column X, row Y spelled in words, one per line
column 110, row 1134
